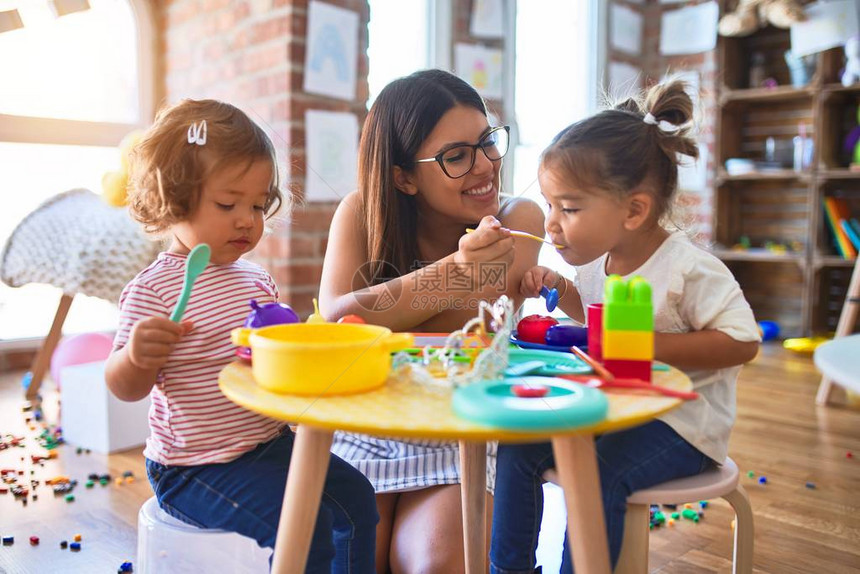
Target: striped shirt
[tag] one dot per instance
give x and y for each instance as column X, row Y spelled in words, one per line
column 191, row 422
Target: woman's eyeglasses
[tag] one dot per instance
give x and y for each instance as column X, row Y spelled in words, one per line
column 459, row 160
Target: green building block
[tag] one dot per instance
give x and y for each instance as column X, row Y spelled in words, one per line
column 627, row 305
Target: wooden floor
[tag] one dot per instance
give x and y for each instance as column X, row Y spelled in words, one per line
column 780, row 434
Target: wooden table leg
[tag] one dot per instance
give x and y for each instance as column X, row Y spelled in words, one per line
column 43, row 358
column 302, row 496
column 576, row 465
column 473, row 474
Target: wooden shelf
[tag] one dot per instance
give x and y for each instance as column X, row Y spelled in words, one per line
column 838, row 173
column 779, row 93
column 759, row 255
column 785, row 174
column 820, row 261
column 828, row 89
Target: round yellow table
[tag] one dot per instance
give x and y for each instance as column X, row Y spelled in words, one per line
column 404, row 409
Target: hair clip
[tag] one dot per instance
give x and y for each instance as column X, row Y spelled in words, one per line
column 662, row 125
column 197, row 133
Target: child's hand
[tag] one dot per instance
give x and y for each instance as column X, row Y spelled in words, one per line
column 535, row 278
column 152, row 340
column 489, row 242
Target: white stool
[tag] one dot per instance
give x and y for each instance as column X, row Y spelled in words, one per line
column 719, row 482
column 168, row 546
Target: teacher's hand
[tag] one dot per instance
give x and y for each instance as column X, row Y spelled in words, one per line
column 490, row 242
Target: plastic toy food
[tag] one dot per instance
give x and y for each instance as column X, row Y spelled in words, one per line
column 567, row 336
column 533, row 328
column 269, row 314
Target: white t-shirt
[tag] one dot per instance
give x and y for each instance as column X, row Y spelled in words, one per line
column 692, row 291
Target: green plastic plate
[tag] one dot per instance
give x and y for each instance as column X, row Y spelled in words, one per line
column 567, row 404
column 556, row 363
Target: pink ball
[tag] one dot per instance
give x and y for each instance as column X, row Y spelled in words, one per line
column 79, row 349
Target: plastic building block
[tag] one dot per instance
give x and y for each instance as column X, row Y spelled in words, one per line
column 624, row 369
column 628, row 328
column 34, row 541
column 75, row 546
column 627, row 305
column 636, row 345
column 690, row 514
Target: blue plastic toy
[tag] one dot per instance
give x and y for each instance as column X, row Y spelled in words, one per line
column 551, row 296
column 769, row 330
column 567, row 336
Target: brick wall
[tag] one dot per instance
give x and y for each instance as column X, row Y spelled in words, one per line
column 461, row 14
column 699, row 206
column 251, row 54
column 696, row 208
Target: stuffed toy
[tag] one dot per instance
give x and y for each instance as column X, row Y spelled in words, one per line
column 852, row 61
column 750, row 15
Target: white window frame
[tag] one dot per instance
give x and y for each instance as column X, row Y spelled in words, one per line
column 31, row 129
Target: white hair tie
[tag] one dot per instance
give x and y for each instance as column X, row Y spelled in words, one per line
column 197, row 133
column 662, row 125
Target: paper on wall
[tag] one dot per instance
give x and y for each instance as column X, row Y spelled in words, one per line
column 828, row 25
column 331, row 145
column 487, row 19
column 481, row 67
column 332, row 51
column 625, row 30
column 689, row 30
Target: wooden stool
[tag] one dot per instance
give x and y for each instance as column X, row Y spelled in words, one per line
column 719, row 482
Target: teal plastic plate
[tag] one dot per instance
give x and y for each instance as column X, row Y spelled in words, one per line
column 556, row 363
column 567, row 404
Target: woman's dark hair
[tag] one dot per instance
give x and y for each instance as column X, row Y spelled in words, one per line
column 616, row 150
column 399, row 121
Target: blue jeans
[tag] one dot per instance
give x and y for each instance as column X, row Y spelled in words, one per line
column 628, row 460
column 245, row 496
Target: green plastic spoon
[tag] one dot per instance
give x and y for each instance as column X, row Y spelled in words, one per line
column 197, row 261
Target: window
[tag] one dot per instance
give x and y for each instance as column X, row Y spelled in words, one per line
column 71, row 87
column 398, row 41
column 566, row 45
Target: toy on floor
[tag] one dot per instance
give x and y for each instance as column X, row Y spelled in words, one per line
column 628, row 328
column 769, row 330
column 804, row 344
column 351, row 319
column 750, row 15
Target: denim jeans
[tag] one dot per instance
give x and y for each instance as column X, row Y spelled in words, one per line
column 245, row 496
column 628, row 460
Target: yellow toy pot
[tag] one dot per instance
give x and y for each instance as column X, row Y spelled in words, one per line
column 321, row 358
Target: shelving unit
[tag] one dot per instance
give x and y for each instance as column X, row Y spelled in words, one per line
column 802, row 289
